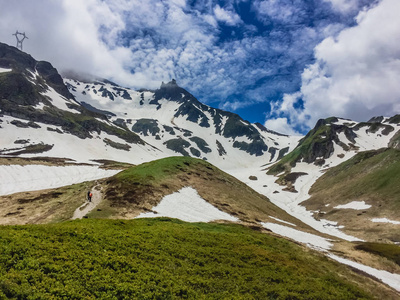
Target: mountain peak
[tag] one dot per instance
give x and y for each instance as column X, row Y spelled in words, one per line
column 170, row 84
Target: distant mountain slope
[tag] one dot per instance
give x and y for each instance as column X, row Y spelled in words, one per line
column 39, row 115
column 357, row 192
column 339, row 137
column 174, row 121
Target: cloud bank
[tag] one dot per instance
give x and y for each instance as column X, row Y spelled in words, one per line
column 286, row 61
column 356, row 74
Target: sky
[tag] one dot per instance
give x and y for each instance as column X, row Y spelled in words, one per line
column 282, row 63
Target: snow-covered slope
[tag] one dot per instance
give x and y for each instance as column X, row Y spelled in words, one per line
column 173, row 121
column 330, row 143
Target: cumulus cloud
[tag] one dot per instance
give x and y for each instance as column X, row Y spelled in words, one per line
column 281, row 125
column 229, row 17
column 287, row 11
column 356, row 75
column 344, row 6
column 231, row 55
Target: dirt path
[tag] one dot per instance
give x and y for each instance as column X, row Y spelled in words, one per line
column 87, row 207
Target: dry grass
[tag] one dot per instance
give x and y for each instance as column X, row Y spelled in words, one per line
column 348, row 250
column 143, row 187
column 45, row 206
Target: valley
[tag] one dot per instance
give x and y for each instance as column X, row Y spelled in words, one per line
column 329, row 196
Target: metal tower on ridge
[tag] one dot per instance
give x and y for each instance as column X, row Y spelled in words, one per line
column 20, row 38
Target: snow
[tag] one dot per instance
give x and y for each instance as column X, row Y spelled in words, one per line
column 291, row 202
column 385, row 220
column 17, row 178
column 390, row 279
column 357, row 205
column 58, row 100
column 188, row 206
column 311, row 240
column 3, row 70
column 279, row 220
column 323, row 245
column 86, row 149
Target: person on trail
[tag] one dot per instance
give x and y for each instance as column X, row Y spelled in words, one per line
column 89, row 196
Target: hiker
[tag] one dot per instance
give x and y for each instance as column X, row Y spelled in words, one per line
column 89, row 196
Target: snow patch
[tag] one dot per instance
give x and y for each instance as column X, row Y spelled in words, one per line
column 390, row 279
column 385, row 220
column 279, row 220
column 357, row 205
column 311, row 240
column 16, row 178
column 3, row 70
column 188, row 206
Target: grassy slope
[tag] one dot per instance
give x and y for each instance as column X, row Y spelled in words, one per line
column 321, row 134
column 166, row 259
column 140, row 188
column 373, row 177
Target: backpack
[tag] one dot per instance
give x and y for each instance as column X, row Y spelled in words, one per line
column 90, row 195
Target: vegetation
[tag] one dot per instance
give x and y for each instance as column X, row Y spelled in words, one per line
column 314, row 144
column 116, row 145
column 389, row 251
column 371, row 176
column 164, row 259
column 140, row 188
column 30, row 149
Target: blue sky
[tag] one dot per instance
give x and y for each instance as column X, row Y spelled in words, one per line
column 283, row 63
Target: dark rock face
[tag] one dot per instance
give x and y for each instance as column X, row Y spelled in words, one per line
column 256, row 148
column 146, row 127
column 178, row 145
column 53, row 78
column 201, row 144
column 22, row 89
column 221, row 149
column 21, row 63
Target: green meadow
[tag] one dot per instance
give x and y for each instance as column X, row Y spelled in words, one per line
column 164, row 259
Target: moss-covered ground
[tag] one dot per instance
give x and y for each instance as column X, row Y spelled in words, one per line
column 164, row 259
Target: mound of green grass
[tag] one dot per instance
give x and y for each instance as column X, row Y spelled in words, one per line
column 373, row 174
column 140, row 188
column 163, row 259
column 370, row 176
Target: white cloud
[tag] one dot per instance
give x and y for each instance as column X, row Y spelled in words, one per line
column 344, row 6
column 229, row 17
column 357, row 74
column 280, row 125
column 281, row 10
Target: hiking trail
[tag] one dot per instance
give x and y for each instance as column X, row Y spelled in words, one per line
column 87, row 207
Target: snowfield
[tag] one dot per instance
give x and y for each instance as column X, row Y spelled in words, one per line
column 311, row 240
column 385, row 220
column 188, row 206
column 357, row 205
column 390, row 279
column 16, row 178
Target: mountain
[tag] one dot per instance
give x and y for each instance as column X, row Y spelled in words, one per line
column 162, row 153
column 175, row 122
column 337, row 137
column 34, row 98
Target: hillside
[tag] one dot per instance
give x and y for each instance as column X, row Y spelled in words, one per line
column 371, row 181
column 140, row 188
column 165, row 259
column 339, row 137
